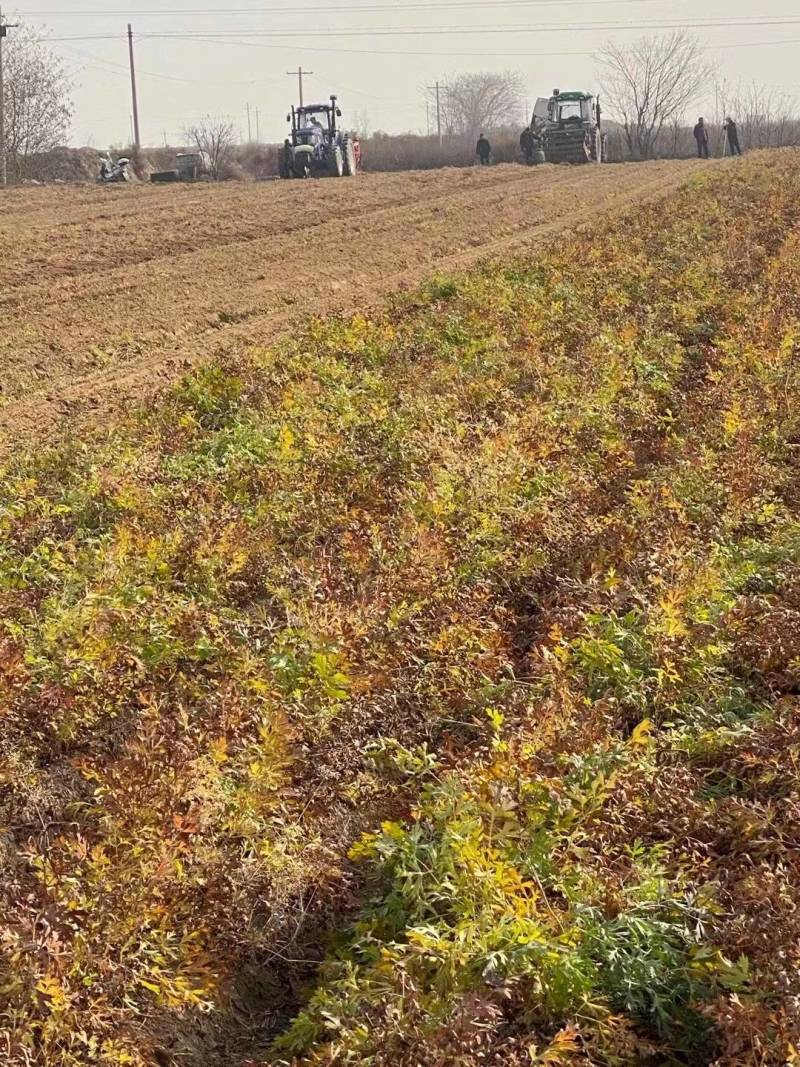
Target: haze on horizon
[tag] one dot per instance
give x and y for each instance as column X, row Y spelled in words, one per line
column 196, row 59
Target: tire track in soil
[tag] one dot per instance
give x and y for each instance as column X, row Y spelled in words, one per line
column 80, row 346
column 20, row 258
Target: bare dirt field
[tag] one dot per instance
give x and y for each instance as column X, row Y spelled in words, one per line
column 108, row 293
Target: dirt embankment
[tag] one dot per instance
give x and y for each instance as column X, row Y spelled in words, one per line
column 108, row 293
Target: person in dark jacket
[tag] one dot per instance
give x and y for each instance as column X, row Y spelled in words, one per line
column 701, row 137
column 483, row 150
column 526, row 144
column 730, row 129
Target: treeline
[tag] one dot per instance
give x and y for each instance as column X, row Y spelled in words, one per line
column 677, row 141
column 384, row 152
column 381, row 152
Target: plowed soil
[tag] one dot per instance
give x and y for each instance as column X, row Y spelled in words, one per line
column 108, row 293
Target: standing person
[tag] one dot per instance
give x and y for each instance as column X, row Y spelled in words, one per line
column 729, row 126
column 357, row 150
column 526, row 144
column 483, row 150
column 701, row 137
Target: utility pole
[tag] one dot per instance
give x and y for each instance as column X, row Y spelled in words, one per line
column 258, row 127
column 249, row 127
column 299, row 75
column 137, row 141
column 437, row 88
column 4, row 28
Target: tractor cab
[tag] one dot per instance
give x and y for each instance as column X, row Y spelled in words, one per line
column 314, row 124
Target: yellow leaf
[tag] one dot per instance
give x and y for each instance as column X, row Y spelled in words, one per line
column 52, row 988
column 49, row 985
column 641, row 734
column 733, row 420
column 672, row 622
column 150, row 985
column 219, row 750
column 285, row 441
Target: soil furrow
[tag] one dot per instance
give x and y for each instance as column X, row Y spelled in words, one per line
column 106, row 302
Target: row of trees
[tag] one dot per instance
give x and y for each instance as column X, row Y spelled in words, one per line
column 647, row 87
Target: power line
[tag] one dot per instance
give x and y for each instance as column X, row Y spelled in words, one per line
column 424, row 31
column 391, row 51
column 404, row 5
column 94, row 60
column 436, row 31
column 99, row 63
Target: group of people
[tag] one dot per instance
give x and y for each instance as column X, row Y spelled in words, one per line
column 731, row 133
column 528, row 142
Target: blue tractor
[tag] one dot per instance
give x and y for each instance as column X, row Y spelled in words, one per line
column 317, row 146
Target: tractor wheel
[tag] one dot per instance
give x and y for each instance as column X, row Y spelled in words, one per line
column 350, row 160
column 337, row 163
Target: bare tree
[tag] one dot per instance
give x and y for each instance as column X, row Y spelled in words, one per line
column 766, row 117
column 651, row 84
column 215, row 139
column 37, row 98
column 361, row 123
column 471, row 103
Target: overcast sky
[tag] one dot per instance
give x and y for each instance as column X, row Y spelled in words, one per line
column 377, row 54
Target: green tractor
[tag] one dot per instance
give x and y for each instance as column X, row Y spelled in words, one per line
column 569, row 127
